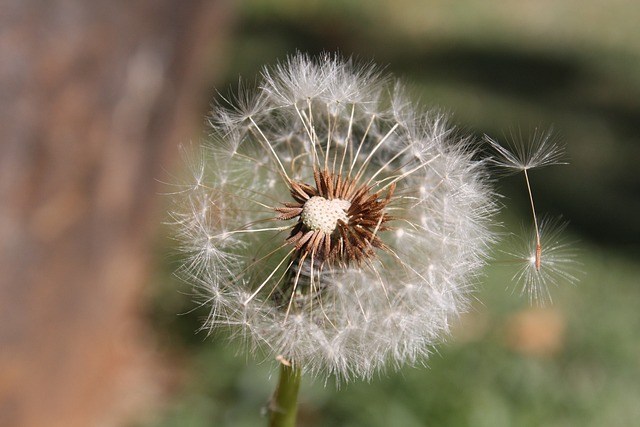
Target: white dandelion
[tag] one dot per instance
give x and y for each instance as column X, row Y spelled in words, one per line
column 333, row 224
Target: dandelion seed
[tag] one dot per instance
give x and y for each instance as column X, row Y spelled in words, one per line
column 543, row 257
column 344, row 228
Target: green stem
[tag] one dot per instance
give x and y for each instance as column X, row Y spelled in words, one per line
column 284, row 404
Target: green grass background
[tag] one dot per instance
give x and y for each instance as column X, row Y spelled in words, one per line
column 495, row 66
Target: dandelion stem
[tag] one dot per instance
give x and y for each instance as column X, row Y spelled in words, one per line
column 538, row 253
column 284, row 404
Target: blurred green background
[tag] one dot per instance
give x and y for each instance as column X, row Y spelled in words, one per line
column 496, row 66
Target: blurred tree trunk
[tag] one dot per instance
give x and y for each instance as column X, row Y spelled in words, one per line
column 93, row 94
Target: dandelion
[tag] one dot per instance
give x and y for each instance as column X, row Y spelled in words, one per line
column 332, row 224
column 547, row 260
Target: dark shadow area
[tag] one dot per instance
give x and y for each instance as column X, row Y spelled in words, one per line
column 518, row 73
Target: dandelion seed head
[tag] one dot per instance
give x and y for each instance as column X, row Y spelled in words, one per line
column 332, row 221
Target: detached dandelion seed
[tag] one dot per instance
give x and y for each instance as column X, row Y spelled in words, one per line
column 546, row 260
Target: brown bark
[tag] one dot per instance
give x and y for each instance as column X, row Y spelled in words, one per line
column 93, row 95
